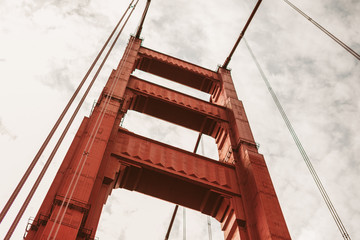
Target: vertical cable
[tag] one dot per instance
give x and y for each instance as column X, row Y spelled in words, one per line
column 143, row 19
column 208, row 217
column 306, row 159
column 209, row 227
column 184, row 223
column 241, row 34
column 195, row 150
column 171, row 222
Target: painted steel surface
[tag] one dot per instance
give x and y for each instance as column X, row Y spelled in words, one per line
column 176, row 107
column 176, row 70
column 143, row 152
column 237, row 190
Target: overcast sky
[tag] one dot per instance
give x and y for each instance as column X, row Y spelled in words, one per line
column 47, row 46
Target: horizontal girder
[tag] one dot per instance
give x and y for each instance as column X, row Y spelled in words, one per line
column 172, row 174
column 176, row 70
column 175, row 107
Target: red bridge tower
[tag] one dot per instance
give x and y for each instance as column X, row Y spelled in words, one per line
column 237, row 190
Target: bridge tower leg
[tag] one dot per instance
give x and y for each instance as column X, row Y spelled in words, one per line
column 236, row 190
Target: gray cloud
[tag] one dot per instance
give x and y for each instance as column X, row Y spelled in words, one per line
column 60, row 78
column 316, row 80
column 5, row 131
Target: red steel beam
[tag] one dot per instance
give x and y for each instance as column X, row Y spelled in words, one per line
column 175, row 107
column 177, row 70
column 146, row 153
column 183, row 178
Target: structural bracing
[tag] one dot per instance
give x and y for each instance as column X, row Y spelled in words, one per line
column 237, row 190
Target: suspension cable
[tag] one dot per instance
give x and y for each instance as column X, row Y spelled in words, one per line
column 209, row 227
column 304, row 155
column 177, row 206
column 208, row 217
column 42, row 173
column 227, row 61
column 50, row 135
column 89, row 144
column 184, row 223
column 171, row 222
column 347, row 48
column 142, row 19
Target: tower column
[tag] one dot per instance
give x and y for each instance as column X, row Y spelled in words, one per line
column 264, row 218
column 70, row 200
